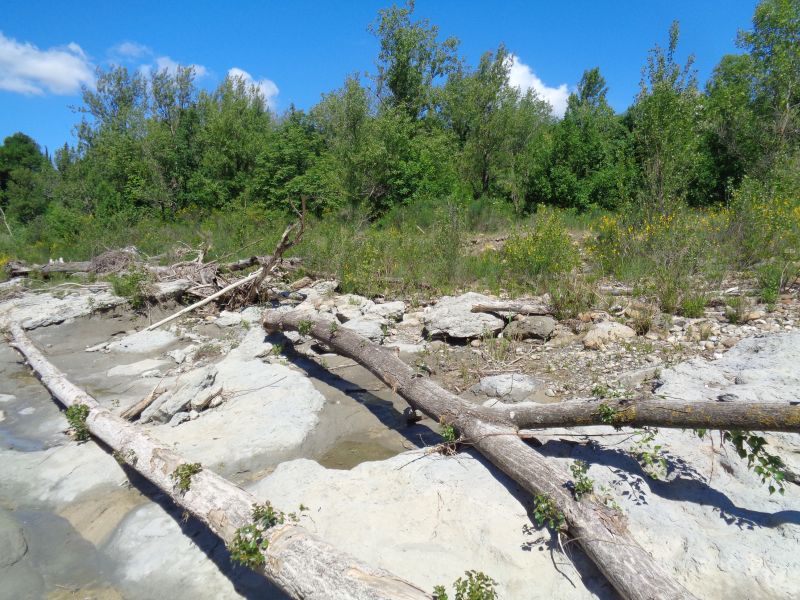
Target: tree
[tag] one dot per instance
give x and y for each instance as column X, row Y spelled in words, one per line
column 590, row 164
column 411, row 58
column 24, row 172
column 666, row 135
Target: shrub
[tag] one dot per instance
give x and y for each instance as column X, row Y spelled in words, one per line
column 571, row 295
column 545, row 249
column 693, row 306
column 131, row 286
column 76, row 417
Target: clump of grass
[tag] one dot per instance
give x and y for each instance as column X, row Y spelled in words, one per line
column 736, row 309
column 642, row 319
column 693, row 306
column 571, row 295
column 208, row 351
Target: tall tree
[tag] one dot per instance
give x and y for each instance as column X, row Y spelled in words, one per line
column 666, row 133
column 411, row 58
column 590, row 164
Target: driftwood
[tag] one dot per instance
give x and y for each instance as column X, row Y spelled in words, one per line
column 600, row 531
column 650, row 411
column 298, row 562
column 521, row 308
column 132, row 412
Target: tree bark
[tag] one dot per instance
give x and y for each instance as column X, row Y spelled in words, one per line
column 651, row 411
column 600, row 531
column 301, row 564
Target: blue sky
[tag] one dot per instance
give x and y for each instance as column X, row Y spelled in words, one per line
column 298, row 50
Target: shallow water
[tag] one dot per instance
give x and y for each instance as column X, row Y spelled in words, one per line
column 361, row 421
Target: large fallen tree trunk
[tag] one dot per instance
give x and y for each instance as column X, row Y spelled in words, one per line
column 651, row 412
column 600, row 531
column 301, row 564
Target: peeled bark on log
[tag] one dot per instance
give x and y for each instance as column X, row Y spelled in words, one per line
column 298, row 562
column 521, row 308
column 600, row 531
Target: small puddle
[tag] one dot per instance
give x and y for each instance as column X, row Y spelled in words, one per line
column 347, row 454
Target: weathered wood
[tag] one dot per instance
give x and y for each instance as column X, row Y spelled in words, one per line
column 652, row 411
column 298, row 562
column 521, row 308
column 132, row 412
column 600, row 531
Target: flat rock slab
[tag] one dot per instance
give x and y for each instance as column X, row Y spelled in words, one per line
column 451, row 317
column 32, row 311
column 144, row 342
column 605, row 332
column 428, row 518
column 531, row 328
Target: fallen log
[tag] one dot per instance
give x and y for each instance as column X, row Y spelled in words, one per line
column 298, row 562
column 651, row 411
column 521, row 308
column 600, row 531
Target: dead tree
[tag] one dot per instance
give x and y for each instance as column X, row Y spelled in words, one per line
column 298, row 562
column 600, row 531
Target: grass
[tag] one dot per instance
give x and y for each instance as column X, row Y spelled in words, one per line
column 424, row 250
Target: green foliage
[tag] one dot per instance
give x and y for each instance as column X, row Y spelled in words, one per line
column 475, row 586
column 649, row 454
column 736, row 309
column 693, row 305
column 132, row 286
column 571, row 295
column 183, row 475
column 545, row 512
column 582, row 484
column 76, row 417
column 250, row 541
column 769, row 467
column 543, row 250
column 448, row 432
column 304, row 327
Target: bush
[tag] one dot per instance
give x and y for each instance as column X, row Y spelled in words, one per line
column 693, row 306
column 571, row 295
column 545, row 249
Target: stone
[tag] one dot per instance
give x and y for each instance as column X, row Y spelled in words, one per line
column 372, row 328
column 178, row 418
column 388, row 310
column 204, row 397
column 41, row 310
column 144, row 342
column 12, row 542
column 189, row 386
column 635, row 378
column 425, row 517
column 509, row 388
column 451, row 317
column 137, row 368
column 228, row 319
column 532, row 327
column 605, row 332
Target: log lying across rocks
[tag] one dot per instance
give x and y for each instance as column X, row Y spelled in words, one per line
column 510, row 306
column 600, row 531
column 298, row 562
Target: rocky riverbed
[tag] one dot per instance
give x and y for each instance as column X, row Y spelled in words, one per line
column 296, row 424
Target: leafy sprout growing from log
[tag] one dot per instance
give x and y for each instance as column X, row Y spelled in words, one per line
column 183, row 475
column 250, row 541
column 76, row 417
column 475, row 586
column 304, row 327
column 545, row 512
column 582, row 484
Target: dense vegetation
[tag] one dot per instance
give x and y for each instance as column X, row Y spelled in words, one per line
column 397, row 166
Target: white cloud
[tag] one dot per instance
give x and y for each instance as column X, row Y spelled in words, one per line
column 131, row 50
column 27, row 70
column 165, row 62
column 522, row 76
column 267, row 87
